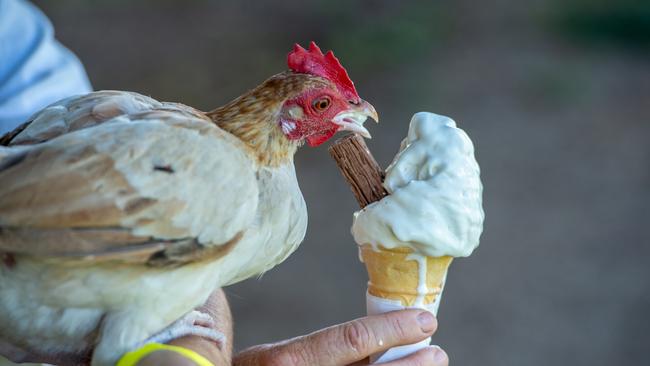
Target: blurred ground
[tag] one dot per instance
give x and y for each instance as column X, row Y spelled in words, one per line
column 555, row 95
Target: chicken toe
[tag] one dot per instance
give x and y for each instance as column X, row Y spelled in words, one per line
column 193, row 323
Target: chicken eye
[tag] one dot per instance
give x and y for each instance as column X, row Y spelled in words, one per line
column 322, row 104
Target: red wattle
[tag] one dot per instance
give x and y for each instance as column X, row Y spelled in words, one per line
column 318, row 138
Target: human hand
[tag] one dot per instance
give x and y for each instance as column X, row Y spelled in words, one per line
column 351, row 343
column 217, row 307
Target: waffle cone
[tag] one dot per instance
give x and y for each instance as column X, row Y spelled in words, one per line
column 394, row 276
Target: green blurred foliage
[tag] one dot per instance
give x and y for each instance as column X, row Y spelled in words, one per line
column 388, row 34
column 623, row 23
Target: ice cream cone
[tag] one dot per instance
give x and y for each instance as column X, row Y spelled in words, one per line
column 399, row 278
column 396, row 274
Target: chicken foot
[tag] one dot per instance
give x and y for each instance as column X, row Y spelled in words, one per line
column 193, row 323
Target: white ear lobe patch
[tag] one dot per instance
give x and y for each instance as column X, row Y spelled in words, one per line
column 287, row 126
column 296, row 112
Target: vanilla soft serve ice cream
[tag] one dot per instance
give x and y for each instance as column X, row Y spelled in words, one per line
column 435, row 205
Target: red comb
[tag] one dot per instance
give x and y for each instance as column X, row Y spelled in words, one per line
column 328, row 66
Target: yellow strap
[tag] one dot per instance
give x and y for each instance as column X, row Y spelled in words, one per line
column 132, row 358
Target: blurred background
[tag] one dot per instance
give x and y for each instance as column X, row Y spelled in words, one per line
column 555, row 95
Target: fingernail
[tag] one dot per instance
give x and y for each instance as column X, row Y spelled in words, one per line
column 426, row 321
column 439, row 356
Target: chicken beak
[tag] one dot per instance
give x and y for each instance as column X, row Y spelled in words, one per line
column 352, row 119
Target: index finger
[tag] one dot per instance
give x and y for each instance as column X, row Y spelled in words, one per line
column 355, row 340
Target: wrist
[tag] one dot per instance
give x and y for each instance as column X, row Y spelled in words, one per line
column 163, row 354
column 205, row 348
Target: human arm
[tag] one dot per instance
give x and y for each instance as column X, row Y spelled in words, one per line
column 36, row 69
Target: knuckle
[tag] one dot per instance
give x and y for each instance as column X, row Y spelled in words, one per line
column 279, row 357
column 401, row 329
column 356, row 336
column 288, row 355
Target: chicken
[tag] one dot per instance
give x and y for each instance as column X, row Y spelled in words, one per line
column 120, row 214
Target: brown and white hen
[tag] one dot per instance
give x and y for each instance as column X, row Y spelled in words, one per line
column 120, row 214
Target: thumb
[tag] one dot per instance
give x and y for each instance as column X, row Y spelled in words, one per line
column 352, row 341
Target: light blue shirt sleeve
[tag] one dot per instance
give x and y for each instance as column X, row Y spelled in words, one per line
column 35, row 69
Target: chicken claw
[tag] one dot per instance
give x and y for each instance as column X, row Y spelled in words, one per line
column 193, row 323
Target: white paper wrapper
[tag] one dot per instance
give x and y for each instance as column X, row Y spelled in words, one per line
column 376, row 305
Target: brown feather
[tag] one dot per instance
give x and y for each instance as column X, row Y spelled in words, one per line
column 27, row 191
column 83, row 246
column 253, row 117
